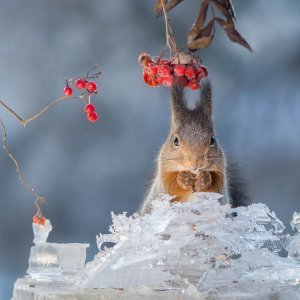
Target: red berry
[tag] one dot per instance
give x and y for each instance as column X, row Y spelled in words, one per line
column 168, row 80
column 164, row 62
column 190, row 73
column 149, row 80
column 202, row 70
column 93, row 117
column 38, row 220
column 89, row 108
column 68, row 91
column 164, row 70
column 152, row 69
column 180, row 82
column 194, row 84
column 91, row 86
column 179, row 70
column 159, row 80
column 80, row 83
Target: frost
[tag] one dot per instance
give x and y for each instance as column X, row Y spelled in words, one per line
column 200, row 248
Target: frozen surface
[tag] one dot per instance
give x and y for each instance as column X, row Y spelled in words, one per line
column 195, row 249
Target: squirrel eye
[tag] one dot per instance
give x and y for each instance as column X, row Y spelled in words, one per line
column 176, row 141
column 212, row 140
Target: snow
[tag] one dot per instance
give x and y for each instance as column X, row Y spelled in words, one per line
column 201, row 248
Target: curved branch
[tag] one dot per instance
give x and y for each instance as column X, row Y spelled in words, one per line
column 24, row 122
column 38, row 199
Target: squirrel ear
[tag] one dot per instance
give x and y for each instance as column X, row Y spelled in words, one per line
column 178, row 103
column 205, row 104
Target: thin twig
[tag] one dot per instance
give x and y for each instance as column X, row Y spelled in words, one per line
column 27, row 186
column 170, row 39
column 38, row 199
column 214, row 17
column 24, row 122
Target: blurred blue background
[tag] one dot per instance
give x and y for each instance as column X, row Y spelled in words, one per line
column 88, row 170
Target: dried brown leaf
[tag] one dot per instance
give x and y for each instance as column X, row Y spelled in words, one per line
column 206, row 31
column 228, row 24
column 197, row 26
column 225, row 7
column 169, row 4
column 235, row 37
column 200, row 43
column 232, row 33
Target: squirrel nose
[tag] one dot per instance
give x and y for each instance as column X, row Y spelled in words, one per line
column 199, row 162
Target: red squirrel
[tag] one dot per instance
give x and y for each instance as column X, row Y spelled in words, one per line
column 191, row 159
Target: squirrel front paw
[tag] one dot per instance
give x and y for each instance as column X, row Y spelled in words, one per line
column 186, row 180
column 203, row 181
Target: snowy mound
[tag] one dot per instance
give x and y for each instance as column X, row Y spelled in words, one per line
column 199, row 245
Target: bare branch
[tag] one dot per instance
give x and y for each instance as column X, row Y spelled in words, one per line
column 27, row 186
column 24, row 122
column 38, row 199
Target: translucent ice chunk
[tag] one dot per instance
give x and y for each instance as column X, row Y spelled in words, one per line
column 41, row 232
column 51, row 261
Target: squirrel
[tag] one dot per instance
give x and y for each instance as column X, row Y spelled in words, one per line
column 192, row 160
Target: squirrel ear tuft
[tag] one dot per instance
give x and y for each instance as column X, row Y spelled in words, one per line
column 205, row 104
column 178, row 103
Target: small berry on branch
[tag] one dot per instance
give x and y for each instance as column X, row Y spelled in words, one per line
column 80, row 83
column 179, row 70
column 93, row 117
column 91, row 87
column 89, row 108
column 68, row 91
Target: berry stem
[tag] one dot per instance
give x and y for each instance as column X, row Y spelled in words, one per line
column 214, row 17
column 96, row 66
column 170, row 39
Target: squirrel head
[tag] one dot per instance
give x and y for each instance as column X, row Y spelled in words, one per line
column 191, row 144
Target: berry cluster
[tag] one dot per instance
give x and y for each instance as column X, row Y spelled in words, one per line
column 87, row 87
column 81, row 84
column 168, row 72
column 38, row 219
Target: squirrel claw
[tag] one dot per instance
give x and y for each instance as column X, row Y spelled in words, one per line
column 203, row 181
column 186, row 180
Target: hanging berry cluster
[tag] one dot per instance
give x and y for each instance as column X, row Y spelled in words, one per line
column 173, row 71
column 87, row 87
